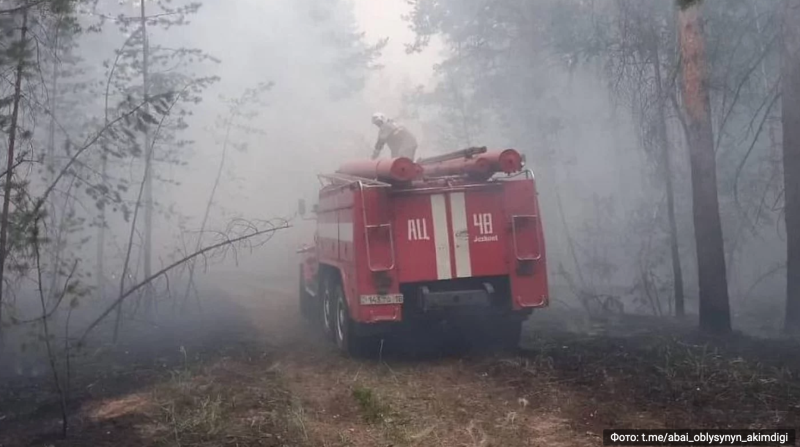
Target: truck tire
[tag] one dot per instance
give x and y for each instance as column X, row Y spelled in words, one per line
column 328, row 305
column 347, row 340
column 306, row 303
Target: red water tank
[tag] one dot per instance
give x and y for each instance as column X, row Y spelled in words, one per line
column 481, row 166
column 388, row 170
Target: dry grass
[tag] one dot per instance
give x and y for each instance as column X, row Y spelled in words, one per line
column 228, row 390
column 443, row 402
column 372, row 409
column 666, row 375
column 230, row 403
column 222, row 392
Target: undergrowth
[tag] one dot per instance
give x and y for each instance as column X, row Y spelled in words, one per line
column 229, row 403
column 372, row 409
column 684, row 379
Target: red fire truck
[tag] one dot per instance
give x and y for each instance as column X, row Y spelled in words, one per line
column 454, row 239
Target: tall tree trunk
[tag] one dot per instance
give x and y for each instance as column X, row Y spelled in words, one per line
column 51, row 160
column 714, row 306
column 101, row 232
column 148, row 198
column 663, row 142
column 791, row 159
column 12, row 142
column 100, row 274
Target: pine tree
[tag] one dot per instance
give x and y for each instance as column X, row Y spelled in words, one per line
column 712, row 278
column 791, row 159
column 144, row 69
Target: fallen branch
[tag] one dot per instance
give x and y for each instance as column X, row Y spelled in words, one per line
column 136, row 209
column 21, row 8
column 234, row 113
column 146, row 281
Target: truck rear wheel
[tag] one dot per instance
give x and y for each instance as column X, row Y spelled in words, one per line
column 347, row 340
column 306, row 303
column 328, row 307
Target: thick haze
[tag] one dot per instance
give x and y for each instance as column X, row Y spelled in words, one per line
column 306, row 132
column 592, row 159
column 597, row 182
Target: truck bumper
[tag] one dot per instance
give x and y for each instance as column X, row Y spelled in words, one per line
column 449, row 300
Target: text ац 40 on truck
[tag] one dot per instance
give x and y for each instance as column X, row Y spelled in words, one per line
column 456, row 238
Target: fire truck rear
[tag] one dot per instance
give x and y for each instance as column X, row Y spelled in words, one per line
column 455, row 239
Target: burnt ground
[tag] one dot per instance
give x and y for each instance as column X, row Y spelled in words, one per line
column 249, row 372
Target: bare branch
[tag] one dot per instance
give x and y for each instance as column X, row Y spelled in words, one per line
column 742, row 82
column 63, row 294
column 14, row 166
column 750, row 149
column 89, row 143
column 146, row 281
column 21, row 8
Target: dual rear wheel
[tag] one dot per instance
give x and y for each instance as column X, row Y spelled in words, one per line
column 331, row 314
column 336, row 321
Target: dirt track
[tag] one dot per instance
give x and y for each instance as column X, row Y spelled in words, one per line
column 408, row 399
column 251, row 372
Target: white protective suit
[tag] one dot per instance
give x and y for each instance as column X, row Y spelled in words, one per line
column 401, row 142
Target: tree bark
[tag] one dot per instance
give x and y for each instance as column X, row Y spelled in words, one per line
column 149, row 299
column 100, row 274
column 663, row 141
column 712, row 278
column 51, row 160
column 12, row 141
column 790, row 99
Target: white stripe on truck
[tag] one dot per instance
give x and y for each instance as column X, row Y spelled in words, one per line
column 328, row 230
column 458, row 210
column 342, row 231
column 440, row 236
column 346, row 231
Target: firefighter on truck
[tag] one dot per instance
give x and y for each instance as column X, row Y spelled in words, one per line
column 400, row 140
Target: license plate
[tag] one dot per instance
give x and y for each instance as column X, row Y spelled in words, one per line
column 368, row 300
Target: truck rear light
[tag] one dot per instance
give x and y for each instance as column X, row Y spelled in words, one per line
column 525, row 235
column 380, row 247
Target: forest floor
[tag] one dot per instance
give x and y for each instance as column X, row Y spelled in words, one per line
column 251, row 373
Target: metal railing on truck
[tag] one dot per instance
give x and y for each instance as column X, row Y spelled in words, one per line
column 342, row 181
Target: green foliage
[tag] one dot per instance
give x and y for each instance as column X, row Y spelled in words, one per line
column 686, row 4
column 496, row 66
column 372, row 409
column 173, row 89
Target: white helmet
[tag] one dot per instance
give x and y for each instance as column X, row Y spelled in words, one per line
column 378, row 119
